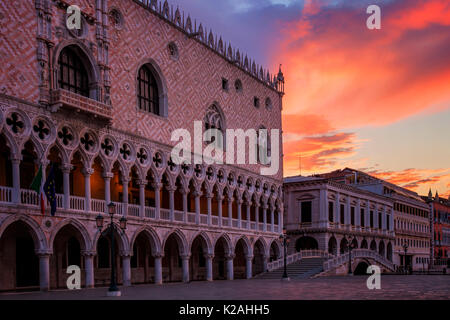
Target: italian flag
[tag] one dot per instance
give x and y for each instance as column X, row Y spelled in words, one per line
column 36, row 185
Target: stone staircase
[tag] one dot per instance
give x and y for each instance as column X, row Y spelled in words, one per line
column 300, row 269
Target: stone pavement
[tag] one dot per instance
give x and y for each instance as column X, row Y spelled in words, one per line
column 328, row 288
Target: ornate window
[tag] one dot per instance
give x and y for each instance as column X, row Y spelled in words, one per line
column 72, row 73
column 148, row 95
column 214, row 120
column 263, row 146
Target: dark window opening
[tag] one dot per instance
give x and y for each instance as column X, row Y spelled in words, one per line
column 148, row 95
column 72, row 73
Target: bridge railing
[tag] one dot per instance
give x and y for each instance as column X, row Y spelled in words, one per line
column 298, row 256
column 357, row 253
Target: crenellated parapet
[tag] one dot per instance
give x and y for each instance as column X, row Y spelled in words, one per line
column 200, row 33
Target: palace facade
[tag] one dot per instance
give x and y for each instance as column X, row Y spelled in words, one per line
column 99, row 104
column 329, row 216
column 411, row 217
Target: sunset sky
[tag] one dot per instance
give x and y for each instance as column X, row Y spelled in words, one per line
column 375, row 100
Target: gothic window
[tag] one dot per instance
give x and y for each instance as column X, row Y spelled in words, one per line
column 214, row 120
column 263, row 146
column 72, row 73
column 238, row 85
column 148, row 95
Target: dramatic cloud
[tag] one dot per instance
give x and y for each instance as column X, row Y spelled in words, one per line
column 415, row 179
column 335, row 66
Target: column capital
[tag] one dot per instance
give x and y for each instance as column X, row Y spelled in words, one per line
column 248, row 257
column 87, row 171
column 157, row 185
column 185, row 257
column 88, row 253
column 197, row 193
column 43, row 253
column 208, row 256
column 220, row 197
column 142, row 182
column 108, row 175
column 66, row 168
column 158, row 255
column 125, row 253
column 230, row 256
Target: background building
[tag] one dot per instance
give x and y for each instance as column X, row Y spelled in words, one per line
column 411, row 216
column 323, row 214
column 440, row 220
column 99, row 104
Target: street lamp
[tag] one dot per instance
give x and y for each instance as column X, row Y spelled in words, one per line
column 405, row 249
column 350, row 247
column 284, row 239
column 113, row 290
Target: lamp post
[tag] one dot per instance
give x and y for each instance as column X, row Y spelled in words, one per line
column 350, row 247
column 405, row 250
column 284, row 239
column 113, row 290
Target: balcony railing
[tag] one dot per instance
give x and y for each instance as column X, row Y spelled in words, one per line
column 78, row 204
column 63, row 98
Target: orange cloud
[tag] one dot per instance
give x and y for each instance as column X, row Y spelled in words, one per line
column 335, row 66
column 419, row 180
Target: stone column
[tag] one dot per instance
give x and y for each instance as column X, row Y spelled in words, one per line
column 197, row 195
column 383, row 220
column 347, row 217
column 257, row 215
column 209, row 267
column 44, row 270
column 209, row 206
column 272, row 218
column 391, row 218
column 248, row 266
column 358, row 213
column 89, row 269
column 185, row 204
column 126, row 269
column 323, row 213
column 230, row 210
column 158, row 268
column 142, row 185
column 239, row 212
column 171, row 203
column 265, row 217
column 125, row 181
column 66, row 184
column 87, row 172
column 219, row 208
column 16, row 179
column 107, row 178
column 247, row 208
column 157, row 187
column 230, row 266
column 337, row 209
column 185, row 266
column 280, row 219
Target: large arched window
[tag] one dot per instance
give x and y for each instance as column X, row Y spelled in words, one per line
column 72, row 73
column 214, row 120
column 148, row 95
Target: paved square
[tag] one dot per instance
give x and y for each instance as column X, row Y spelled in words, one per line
column 329, row 288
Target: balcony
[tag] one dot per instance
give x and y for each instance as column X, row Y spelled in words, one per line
column 30, row 198
column 61, row 98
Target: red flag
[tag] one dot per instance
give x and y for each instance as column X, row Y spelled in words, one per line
column 42, row 204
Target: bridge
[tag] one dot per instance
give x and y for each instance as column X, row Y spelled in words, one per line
column 316, row 263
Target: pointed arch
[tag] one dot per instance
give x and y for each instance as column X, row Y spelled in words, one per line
column 120, row 237
column 205, row 241
column 182, row 242
column 155, row 242
column 40, row 241
column 247, row 245
column 87, row 242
